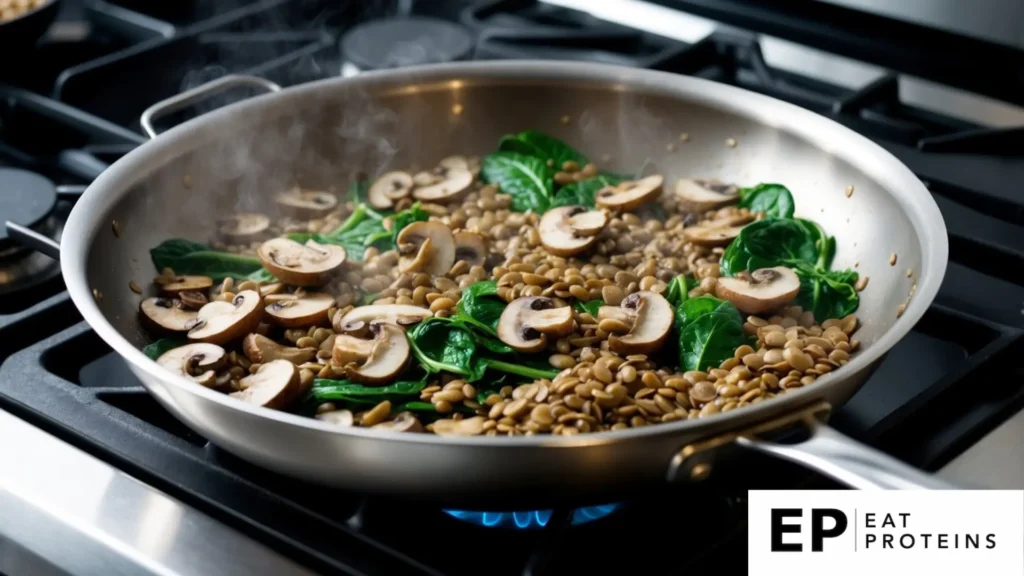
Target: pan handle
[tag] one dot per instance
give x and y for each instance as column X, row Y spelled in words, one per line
column 190, row 97
column 34, row 240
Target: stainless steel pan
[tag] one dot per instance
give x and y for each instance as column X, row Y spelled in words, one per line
column 235, row 158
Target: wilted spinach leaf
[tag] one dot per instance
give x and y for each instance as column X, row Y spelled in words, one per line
column 158, row 348
column 827, row 293
column 590, row 307
column 583, row 193
column 481, row 306
column 774, row 200
column 529, row 180
column 773, row 242
column 709, row 331
column 191, row 258
column 542, row 147
column 326, row 389
column 365, row 228
column 678, row 290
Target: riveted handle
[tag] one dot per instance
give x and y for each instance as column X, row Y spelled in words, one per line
column 198, row 94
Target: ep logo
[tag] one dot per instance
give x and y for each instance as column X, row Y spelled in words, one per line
column 821, row 523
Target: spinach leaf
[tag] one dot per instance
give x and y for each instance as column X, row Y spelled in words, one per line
column 774, row 200
column 827, row 293
column 365, row 228
column 449, row 345
column 542, row 147
column 710, row 330
column 427, row 407
column 590, row 307
column 191, row 258
column 583, row 193
column 678, row 290
column 158, row 348
column 527, row 179
column 481, row 306
column 329, row 389
column 772, row 242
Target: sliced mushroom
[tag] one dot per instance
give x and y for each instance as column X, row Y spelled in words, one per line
column 557, row 234
column 165, row 315
column 631, row 194
column 338, row 417
column 221, row 322
column 388, row 188
column 527, row 322
column 193, row 299
column 360, row 318
column 651, row 316
column 454, row 163
column 402, row 422
column 244, row 228
column 767, row 290
column 376, row 361
column 184, row 284
column 308, row 310
column 470, row 247
column 589, row 223
column 274, row 385
column 426, row 247
column 197, row 362
column 699, row 195
column 306, row 204
column 309, row 264
column 260, row 349
column 455, row 184
column 711, row 235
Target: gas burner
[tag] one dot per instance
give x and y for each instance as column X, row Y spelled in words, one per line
column 530, row 519
column 399, row 42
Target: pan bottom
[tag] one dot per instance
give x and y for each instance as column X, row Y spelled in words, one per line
column 531, row 519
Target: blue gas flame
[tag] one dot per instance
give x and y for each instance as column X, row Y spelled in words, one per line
column 530, row 519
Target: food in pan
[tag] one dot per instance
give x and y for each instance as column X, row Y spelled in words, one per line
column 527, row 292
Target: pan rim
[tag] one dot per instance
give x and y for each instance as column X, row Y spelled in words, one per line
column 870, row 159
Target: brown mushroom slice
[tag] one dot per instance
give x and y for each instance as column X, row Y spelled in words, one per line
column 631, row 194
column 470, row 247
column 309, row 310
column 197, row 362
column 558, row 236
column 221, row 322
column 402, row 422
column 388, row 356
column 527, row 322
column 434, row 257
column 399, row 314
column 244, row 228
column 652, row 323
column 350, row 349
column 306, row 204
column 589, row 223
column 623, row 315
column 274, row 385
column 455, row 184
column 700, row 195
column 165, row 315
column 711, row 236
column 388, row 188
column 454, row 163
column 337, row 417
column 309, row 264
column 260, row 349
column 767, row 290
column 185, row 284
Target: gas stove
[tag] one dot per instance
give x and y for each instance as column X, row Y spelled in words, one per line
column 144, row 490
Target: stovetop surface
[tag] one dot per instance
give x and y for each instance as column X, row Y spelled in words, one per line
column 75, row 109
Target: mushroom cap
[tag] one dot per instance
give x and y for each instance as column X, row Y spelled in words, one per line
column 711, row 235
column 165, row 315
column 630, row 194
column 700, row 195
column 389, row 356
column 470, row 247
column 388, row 188
column 306, row 204
column 309, row 264
column 652, row 324
column 526, row 323
column 197, row 362
column 402, row 422
column 244, row 227
column 185, row 284
column 221, row 322
column 455, row 162
column 399, row 314
column 455, row 183
column 589, row 223
column 350, row 349
column 274, row 385
column 337, row 417
column 557, row 234
column 308, row 310
column 260, row 349
column 768, row 289
column 434, row 257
